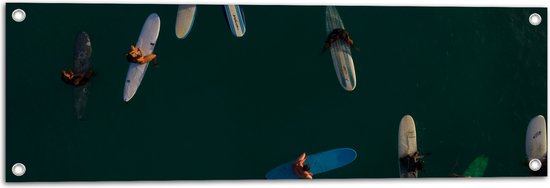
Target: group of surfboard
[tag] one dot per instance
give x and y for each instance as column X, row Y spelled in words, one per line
column 410, row 160
column 338, row 42
column 535, row 148
column 139, row 56
column 184, row 22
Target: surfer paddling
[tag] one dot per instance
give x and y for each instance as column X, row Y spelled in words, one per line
column 135, row 56
column 300, row 169
column 76, row 79
column 338, row 34
column 414, row 162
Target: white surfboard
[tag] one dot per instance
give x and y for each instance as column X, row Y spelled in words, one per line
column 535, row 139
column 184, row 20
column 341, row 52
column 235, row 18
column 146, row 43
column 406, row 144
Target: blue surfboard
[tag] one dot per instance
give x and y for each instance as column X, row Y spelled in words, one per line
column 235, row 18
column 319, row 163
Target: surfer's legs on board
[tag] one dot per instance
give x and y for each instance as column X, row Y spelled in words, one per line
column 142, row 60
column 147, row 58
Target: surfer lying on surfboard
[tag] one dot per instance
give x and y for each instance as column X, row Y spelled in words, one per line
column 338, row 34
column 414, row 162
column 300, row 169
column 135, row 56
column 76, row 79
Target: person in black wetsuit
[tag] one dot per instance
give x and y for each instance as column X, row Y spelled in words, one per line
column 413, row 162
column 338, row 34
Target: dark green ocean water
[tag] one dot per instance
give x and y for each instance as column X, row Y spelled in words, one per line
column 221, row 107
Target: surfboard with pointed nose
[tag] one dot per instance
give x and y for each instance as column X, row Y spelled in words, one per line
column 146, row 43
column 340, row 52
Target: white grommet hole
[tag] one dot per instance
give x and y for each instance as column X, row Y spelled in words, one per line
column 18, row 169
column 535, row 164
column 535, row 19
column 18, row 15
